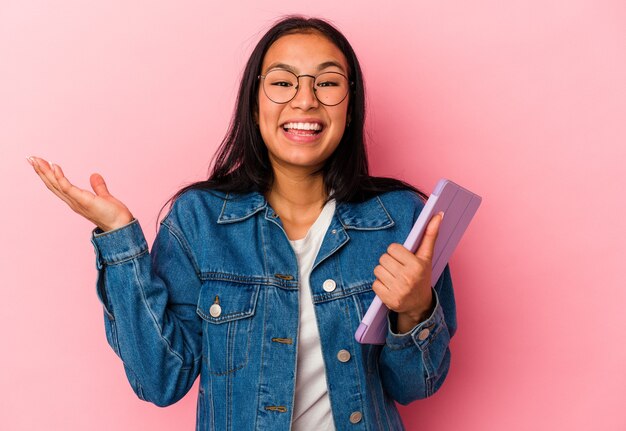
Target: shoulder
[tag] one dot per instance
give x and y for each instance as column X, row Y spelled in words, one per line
column 195, row 207
column 386, row 209
column 401, row 203
column 403, row 208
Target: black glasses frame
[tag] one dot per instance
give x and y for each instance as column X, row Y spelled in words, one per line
column 350, row 85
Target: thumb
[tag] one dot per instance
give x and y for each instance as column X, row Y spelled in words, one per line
column 426, row 249
column 98, row 185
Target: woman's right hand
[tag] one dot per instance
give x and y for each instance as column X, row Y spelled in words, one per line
column 101, row 208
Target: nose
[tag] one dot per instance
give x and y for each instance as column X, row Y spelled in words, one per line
column 305, row 96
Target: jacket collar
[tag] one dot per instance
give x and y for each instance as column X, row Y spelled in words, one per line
column 368, row 215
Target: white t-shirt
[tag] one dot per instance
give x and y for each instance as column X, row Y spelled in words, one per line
column 311, row 409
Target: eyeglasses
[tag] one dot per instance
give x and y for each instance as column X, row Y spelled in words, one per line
column 281, row 86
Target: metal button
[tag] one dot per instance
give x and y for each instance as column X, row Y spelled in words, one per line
column 215, row 310
column 424, row 333
column 334, row 231
column 343, row 355
column 329, row 285
column 356, row 417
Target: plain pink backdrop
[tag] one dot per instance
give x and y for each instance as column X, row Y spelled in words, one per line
column 523, row 102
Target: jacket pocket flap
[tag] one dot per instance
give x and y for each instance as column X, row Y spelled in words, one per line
column 223, row 301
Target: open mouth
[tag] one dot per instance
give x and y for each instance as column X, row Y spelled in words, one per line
column 303, row 129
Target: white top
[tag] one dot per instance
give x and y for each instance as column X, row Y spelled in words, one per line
column 311, row 409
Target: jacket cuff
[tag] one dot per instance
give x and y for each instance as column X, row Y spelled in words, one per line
column 422, row 334
column 118, row 245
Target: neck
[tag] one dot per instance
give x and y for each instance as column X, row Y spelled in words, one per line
column 296, row 195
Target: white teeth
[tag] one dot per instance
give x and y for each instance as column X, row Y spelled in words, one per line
column 303, row 126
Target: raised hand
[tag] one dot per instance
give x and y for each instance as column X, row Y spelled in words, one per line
column 101, row 208
column 403, row 278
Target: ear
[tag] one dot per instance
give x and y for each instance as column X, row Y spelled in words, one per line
column 255, row 115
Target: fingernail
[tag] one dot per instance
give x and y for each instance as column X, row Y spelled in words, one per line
column 52, row 166
column 441, row 213
column 30, row 161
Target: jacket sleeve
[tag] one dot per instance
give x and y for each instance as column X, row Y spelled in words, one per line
column 150, row 304
column 415, row 364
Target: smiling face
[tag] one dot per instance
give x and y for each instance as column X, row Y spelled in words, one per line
column 302, row 133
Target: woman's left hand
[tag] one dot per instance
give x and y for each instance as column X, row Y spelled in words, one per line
column 403, row 279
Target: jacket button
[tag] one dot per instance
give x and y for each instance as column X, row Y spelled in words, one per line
column 215, row 310
column 343, row 355
column 424, row 333
column 329, row 285
column 356, row 417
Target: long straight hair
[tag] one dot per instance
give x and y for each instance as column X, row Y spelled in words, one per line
column 242, row 165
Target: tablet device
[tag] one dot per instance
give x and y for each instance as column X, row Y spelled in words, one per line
column 459, row 206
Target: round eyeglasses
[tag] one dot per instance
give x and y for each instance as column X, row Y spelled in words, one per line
column 281, row 86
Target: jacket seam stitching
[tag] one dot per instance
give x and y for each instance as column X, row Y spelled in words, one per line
column 154, row 319
column 356, row 368
column 182, row 241
column 115, row 262
column 261, row 367
column 263, row 280
column 262, row 228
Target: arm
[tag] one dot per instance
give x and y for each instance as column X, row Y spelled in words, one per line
column 414, row 364
column 150, row 309
column 415, row 359
column 149, row 301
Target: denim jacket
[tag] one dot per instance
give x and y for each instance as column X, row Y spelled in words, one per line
column 218, row 297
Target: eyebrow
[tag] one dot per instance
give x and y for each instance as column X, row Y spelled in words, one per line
column 320, row 67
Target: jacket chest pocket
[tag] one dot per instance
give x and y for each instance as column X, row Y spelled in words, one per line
column 226, row 309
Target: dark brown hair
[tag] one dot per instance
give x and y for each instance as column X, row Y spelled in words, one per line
column 242, row 164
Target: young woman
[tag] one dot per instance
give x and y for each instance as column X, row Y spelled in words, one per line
column 259, row 276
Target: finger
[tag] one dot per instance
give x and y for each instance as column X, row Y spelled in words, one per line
column 80, row 196
column 98, row 185
column 45, row 173
column 426, row 249
column 385, row 295
column 384, row 276
column 38, row 169
column 46, row 170
column 380, row 289
column 391, row 264
column 52, row 176
column 400, row 253
column 70, row 194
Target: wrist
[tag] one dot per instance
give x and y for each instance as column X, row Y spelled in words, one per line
column 408, row 320
column 405, row 323
column 120, row 222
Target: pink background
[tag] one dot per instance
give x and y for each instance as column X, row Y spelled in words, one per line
column 522, row 102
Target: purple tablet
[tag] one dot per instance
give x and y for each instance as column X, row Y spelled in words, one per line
column 459, row 206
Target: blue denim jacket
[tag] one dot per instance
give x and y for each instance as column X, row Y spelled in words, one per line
column 218, row 297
